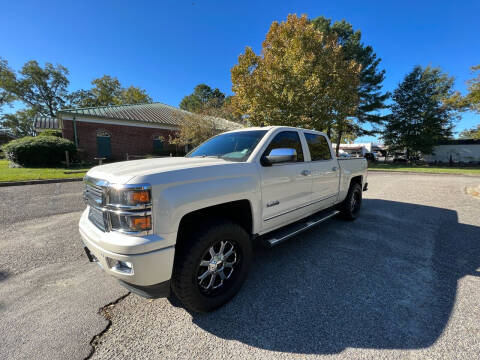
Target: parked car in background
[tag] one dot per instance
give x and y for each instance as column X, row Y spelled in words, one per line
column 370, row 156
column 343, row 154
column 188, row 224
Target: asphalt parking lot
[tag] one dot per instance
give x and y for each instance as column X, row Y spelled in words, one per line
column 403, row 281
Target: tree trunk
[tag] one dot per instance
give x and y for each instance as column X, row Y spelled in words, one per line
column 339, row 139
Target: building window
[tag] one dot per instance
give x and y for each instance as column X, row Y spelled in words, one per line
column 103, row 132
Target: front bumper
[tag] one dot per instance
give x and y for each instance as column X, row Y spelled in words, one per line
column 146, row 270
column 152, row 291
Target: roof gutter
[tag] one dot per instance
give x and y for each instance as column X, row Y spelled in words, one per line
column 75, row 131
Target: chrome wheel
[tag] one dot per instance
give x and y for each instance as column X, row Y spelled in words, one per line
column 216, row 266
column 355, row 202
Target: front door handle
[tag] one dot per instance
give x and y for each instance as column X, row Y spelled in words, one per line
column 305, row 172
column 334, row 168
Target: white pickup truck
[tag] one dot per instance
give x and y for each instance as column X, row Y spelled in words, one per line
column 188, row 224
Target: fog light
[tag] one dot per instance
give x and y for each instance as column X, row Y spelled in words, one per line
column 124, row 267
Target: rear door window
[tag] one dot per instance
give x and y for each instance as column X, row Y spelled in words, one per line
column 318, row 146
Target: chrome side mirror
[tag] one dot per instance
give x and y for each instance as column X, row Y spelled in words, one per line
column 280, row 155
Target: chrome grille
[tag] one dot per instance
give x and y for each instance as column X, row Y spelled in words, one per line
column 94, row 196
column 97, row 217
column 94, row 193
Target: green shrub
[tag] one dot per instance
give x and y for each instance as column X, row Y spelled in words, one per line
column 38, row 151
column 50, row 132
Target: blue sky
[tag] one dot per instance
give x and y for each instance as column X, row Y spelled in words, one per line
column 168, row 47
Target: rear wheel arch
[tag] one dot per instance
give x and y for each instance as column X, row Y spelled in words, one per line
column 356, row 180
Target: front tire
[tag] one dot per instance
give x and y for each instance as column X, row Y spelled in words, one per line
column 212, row 266
column 350, row 207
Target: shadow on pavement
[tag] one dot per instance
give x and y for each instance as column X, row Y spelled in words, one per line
column 385, row 281
column 4, row 275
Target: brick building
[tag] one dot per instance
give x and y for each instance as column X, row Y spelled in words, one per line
column 112, row 132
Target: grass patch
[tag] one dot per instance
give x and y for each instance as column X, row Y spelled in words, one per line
column 435, row 169
column 21, row 174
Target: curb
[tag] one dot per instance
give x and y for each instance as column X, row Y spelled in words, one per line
column 35, row 182
column 420, row 173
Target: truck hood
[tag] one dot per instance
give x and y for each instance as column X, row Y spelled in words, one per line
column 123, row 172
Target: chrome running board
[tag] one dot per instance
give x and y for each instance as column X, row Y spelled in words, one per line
column 278, row 236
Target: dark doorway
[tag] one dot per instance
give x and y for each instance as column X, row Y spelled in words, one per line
column 157, row 146
column 104, row 149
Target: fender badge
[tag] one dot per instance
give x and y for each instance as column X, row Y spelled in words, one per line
column 273, row 203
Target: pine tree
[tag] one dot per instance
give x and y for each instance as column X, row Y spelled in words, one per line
column 370, row 95
column 420, row 116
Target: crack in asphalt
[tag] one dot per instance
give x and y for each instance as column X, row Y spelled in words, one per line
column 104, row 311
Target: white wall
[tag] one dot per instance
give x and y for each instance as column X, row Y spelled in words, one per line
column 465, row 153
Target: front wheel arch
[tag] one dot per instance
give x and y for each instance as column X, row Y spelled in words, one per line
column 188, row 258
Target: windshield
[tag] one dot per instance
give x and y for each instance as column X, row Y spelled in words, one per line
column 233, row 146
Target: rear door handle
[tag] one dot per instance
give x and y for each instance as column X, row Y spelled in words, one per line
column 305, row 172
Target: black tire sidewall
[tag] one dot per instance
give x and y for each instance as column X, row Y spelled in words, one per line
column 184, row 282
column 346, row 208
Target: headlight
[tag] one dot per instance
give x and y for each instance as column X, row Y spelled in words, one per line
column 128, row 198
column 130, row 222
column 130, row 208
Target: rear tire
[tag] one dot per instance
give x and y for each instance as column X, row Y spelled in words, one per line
column 350, row 207
column 221, row 252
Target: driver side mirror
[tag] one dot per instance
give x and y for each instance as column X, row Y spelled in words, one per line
column 280, row 155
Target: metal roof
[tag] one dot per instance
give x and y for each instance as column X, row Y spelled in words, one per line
column 46, row 122
column 154, row 113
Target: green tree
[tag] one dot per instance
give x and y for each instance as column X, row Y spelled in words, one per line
column 301, row 78
column 134, row 95
column 20, row 123
column 473, row 133
column 370, row 95
column 6, row 76
column 211, row 102
column 43, row 89
column 472, row 100
column 203, row 98
column 473, row 96
column 107, row 91
column 420, row 114
column 195, row 129
column 81, row 98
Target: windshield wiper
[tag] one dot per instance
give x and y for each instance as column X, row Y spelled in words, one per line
column 207, row 156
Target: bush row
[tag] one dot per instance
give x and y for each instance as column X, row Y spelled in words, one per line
column 38, row 151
